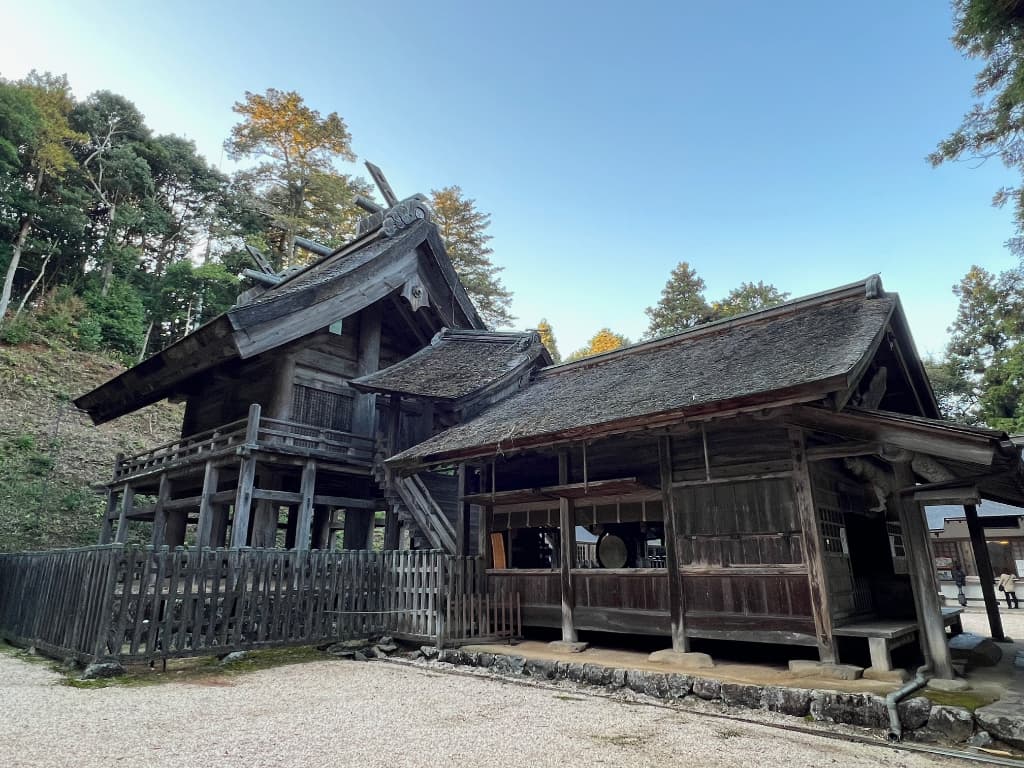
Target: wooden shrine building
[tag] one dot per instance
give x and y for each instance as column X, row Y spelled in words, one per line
column 758, row 479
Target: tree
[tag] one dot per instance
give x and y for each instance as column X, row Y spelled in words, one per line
column 605, row 340
column 748, row 297
column 993, row 31
column 682, row 304
column 34, row 148
column 547, row 337
column 982, row 377
column 463, row 229
column 296, row 148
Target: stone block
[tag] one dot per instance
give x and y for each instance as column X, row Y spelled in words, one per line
column 807, row 668
column 542, row 669
column 485, row 660
column 975, row 650
column 852, row 708
column 887, row 675
column 706, row 688
column 786, row 701
column 597, row 674
column 914, row 712
column 234, row 657
column 980, row 739
column 954, row 724
column 618, row 678
column 1004, row 720
column 682, row 660
column 429, row 652
column 100, row 670
column 636, row 680
column 656, row 685
column 567, row 646
column 939, row 684
column 679, row 686
column 742, row 695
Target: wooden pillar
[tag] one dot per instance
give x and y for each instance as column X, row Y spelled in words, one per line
column 567, row 535
column 280, row 405
column 219, row 528
column 291, row 526
column 985, row 574
column 246, row 480
column 160, row 512
column 127, row 502
column 921, row 565
column 304, row 520
column 321, row 527
column 365, row 406
column 264, row 527
column 676, row 596
column 391, row 529
column 463, row 511
column 204, row 533
column 358, row 529
column 107, row 527
column 814, row 557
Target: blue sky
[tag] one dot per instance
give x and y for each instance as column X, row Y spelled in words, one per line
column 780, row 141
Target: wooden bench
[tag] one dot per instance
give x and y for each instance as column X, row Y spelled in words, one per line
column 885, row 635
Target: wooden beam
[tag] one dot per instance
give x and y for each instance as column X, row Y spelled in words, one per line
column 462, row 513
column 243, row 502
column 807, row 511
column 382, row 184
column 305, row 510
column 107, row 527
column 843, row 450
column 567, row 536
column 160, row 512
column 921, row 565
column 967, row 494
column 127, row 502
column 676, row 594
column 985, row 573
column 205, row 533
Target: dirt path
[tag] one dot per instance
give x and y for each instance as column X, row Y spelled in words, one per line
column 339, row 713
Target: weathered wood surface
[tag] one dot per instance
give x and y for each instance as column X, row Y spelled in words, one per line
column 139, row 604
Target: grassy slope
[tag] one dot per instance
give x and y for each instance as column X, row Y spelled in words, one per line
column 50, row 453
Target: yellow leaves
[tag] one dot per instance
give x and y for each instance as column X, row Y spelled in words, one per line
column 605, row 341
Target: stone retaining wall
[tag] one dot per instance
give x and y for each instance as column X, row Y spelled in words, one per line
column 922, row 720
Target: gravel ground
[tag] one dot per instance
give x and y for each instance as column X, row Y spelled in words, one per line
column 976, row 620
column 338, row 713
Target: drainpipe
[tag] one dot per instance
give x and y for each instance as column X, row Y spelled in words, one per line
column 894, row 698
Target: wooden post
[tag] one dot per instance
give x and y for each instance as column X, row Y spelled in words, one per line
column 107, row 528
column 567, row 535
column 204, row 533
column 364, row 410
column 246, row 479
column 291, row 526
column 358, row 528
column 810, row 526
column 127, row 501
column 321, row 527
column 160, row 513
column 921, row 565
column 985, row 574
column 280, row 405
column 676, row 596
column 174, row 531
column 391, row 529
column 463, row 512
column 305, row 510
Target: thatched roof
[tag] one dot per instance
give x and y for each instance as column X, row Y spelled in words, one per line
column 458, row 364
column 802, row 351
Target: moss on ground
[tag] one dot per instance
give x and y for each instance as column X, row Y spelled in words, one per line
column 969, row 700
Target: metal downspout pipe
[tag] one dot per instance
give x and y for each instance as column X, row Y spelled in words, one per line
column 894, row 698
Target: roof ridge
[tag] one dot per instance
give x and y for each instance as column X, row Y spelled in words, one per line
column 849, row 290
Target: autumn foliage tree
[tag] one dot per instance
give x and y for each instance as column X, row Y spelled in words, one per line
column 547, row 337
column 605, row 340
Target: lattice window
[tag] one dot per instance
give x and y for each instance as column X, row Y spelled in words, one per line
column 321, row 408
column 896, row 547
column 833, row 532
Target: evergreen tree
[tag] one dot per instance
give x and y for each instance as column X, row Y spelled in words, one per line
column 605, row 340
column 682, row 304
column 464, row 231
column 547, row 336
column 748, row 297
column 993, row 31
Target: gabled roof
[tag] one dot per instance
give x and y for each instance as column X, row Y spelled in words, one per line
column 802, row 351
column 403, row 246
column 458, row 364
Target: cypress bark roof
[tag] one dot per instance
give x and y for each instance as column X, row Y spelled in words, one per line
column 805, row 349
column 458, row 363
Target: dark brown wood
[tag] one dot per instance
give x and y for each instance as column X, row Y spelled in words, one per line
column 985, row 574
column 812, row 548
column 127, row 500
column 677, row 608
column 364, row 412
column 204, row 532
column 593, row 488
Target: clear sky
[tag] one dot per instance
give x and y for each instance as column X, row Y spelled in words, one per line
column 778, row 141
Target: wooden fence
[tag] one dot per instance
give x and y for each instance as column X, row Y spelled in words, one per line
column 139, row 604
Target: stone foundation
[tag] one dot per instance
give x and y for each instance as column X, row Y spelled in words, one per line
column 921, row 719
